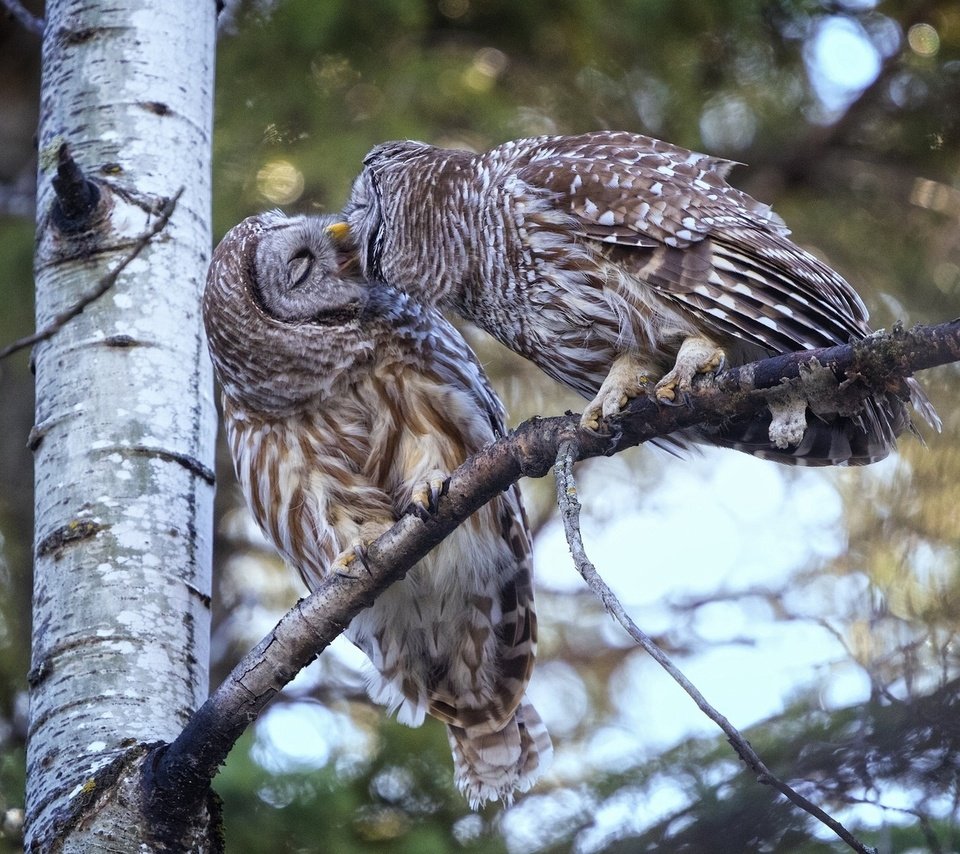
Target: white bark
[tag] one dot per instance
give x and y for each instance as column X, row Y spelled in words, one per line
column 125, row 421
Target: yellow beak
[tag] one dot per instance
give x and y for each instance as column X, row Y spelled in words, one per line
column 338, row 230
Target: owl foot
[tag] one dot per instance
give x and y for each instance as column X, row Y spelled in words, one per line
column 697, row 355
column 347, row 564
column 426, row 494
column 628, row 377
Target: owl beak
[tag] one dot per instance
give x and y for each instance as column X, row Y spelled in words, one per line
column 339, row 230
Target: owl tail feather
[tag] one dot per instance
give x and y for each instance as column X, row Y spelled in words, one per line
column 495, row 765
column 832, row 440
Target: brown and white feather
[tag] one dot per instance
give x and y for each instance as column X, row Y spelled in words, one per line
column 574, row 250
column 340, row 400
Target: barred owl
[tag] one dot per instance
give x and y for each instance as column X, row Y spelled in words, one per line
column 343, row 406
column 616, row 263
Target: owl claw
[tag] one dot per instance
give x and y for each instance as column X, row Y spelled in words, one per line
column 425, row 498
column 697, row 355
column 627, row 378
column 345, row 563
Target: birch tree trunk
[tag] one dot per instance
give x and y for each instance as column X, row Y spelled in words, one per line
column 125, row 420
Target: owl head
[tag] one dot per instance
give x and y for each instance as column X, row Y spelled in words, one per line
column 282, row 309
column 305, row 271
column 375, row 192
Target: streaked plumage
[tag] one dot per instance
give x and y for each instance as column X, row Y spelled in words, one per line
column 608, row 249
column 342, row 404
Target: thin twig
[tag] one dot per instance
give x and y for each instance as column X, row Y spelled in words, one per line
column 106, row 282
column 27, row 20
column 570, row 512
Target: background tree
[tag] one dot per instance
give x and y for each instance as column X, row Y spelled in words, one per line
column 827, row 619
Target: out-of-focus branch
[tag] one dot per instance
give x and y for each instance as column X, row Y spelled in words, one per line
column 28, row 21
column 569, row 506
column 18, row 198
column 180, row 773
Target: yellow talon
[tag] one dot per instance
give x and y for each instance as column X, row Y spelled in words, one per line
column 343, row 564
column 427, row 492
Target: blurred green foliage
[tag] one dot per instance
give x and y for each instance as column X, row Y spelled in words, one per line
column 867, row 177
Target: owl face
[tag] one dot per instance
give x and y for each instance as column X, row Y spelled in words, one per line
column 282, row 309
column 303, row 274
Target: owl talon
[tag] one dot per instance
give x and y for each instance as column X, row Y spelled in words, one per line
column 593, row 427
column 697, row 355
column 425, row 498
column 673, row 400
column 627, row 378
column 345, row 563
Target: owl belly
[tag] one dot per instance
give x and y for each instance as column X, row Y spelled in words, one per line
column 431, row 637
column 574, row 324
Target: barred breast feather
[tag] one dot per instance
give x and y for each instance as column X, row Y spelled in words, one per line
column 341, row 402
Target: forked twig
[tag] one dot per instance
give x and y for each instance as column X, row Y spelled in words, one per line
column 569, row 505
column 103, row 285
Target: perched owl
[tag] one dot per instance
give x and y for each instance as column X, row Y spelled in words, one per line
column 344, row 405
column 614, row 261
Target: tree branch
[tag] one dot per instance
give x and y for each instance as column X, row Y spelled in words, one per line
column 180, row 772
column 569, row 506
column 77, row 196
column 103, row 285
column 28, row 21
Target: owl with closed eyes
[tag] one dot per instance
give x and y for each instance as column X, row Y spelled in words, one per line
column 344, row 406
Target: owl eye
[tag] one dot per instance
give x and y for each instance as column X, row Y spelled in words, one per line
column 299, row 267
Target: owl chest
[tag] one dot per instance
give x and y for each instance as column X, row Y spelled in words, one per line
column 545, row 299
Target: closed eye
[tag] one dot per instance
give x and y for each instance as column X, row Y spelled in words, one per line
column 299, row 266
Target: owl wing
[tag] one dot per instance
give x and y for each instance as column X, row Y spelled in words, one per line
column 498, row 741
column 668, row 216
column 513, row 614
column 457, row 639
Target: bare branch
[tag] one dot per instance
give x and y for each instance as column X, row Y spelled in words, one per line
column 28, row 21
column 570, row 513
column 103, row 285
column 182, row 771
